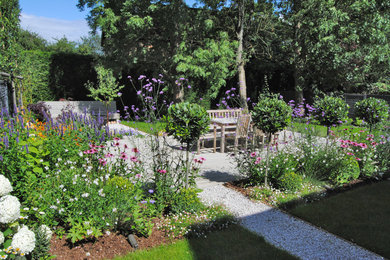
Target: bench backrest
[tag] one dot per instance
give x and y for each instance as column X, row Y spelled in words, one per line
column 224, row 113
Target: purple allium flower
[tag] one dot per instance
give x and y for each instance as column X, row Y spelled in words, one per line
column 119, row 94
column 141, row 77
column 189, row 86
column 139, row 92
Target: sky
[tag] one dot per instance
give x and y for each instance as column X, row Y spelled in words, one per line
column 53, row 19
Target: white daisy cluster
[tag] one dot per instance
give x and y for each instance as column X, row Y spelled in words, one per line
column 9, row 209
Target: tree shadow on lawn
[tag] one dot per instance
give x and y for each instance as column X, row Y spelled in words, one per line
column 234, row 242
column 359, row 213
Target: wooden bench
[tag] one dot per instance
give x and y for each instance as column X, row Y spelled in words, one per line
column 213, row 130
column 224, row 113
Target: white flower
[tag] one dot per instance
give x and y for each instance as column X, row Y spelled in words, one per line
column 46, row 230
column 9, row 209
column 5, row 186
column 1, row 238
column 24, row 239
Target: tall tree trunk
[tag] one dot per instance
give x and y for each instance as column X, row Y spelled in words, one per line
column 239, row 57
column 299, row 80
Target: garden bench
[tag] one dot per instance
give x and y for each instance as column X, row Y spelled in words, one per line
column 80, row 107
column 219, row 114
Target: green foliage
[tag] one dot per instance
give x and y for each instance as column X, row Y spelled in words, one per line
column 106, row 88
column 30, row 41
column 35, row 69
column 348, row 171
column 63, row 45
column 330, row 110
column 271, row 114
column 186, row 122
column 186, row 200
column 379, row 88
column 9, row 33
column 334, row 44
column 383, row 155
column 213, row 64
column 372, row 110
column 290, row 181
column 42, row 244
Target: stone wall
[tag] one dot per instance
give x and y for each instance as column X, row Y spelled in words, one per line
column 80, row 107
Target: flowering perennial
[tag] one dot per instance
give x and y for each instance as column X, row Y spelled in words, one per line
column 5, row 186
column 9, row 209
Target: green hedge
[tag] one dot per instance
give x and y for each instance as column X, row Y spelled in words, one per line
column 49, row 76
column 35, row 67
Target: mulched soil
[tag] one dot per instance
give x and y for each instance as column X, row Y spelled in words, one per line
column 105, row 247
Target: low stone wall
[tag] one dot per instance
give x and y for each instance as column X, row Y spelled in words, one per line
column 80, row 107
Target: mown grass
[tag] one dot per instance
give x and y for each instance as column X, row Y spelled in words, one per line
column 360, row 215
column 232, row 243
column 145, row 127
column 321, row 131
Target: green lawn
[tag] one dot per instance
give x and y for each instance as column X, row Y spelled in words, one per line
column 320, row 130
column 361, row 215
column 145, row 127
column 232, row 243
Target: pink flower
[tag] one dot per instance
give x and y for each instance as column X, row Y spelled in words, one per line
column 116, row 144
column 253, row 154
column 138, row 175
column 102, row 161
column 125, row 146
column 358, row 159
column 363, row 145
column 133, row 159
column 124, row 156
column 108, row 155
column 202, row 159
column 258, row 159
column 135, row 150
column 162, row 171
column 116, row 138
column 350, row 153
column 344, row 146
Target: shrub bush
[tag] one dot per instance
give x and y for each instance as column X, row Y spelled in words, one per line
column 372, row 110
column 39, row 110
column 289, row 181
column 186, row 122
column 331, row 110
column 382, row 154
column 271, row 114
column 186, row 200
